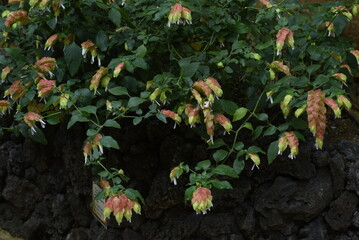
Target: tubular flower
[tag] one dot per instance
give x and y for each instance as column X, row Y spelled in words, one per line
column 272, row 74
column 270, row 96
column 45, row 87
column 343, row 101
column 334, row 106
column 19, row 16
column 96, row 143
column 356, row 55
column 87, row 46
column 316, row 115
column 284, row 35
column 224, row 122
column 46, row 64
column 31, row 118
column 69, row 39
column 56, row 5
column 175, row 174
column 341, row 77
column 284, row 105
column 51, row 41
column 95, row 80
column 121, row 206
column 255, row 158
column 4, row 105
column 174, row 116
column 203, row 88
column 5, row 71
column 193, row 116
column 278, row 65
column 178, row 11
column 346, row 66
column 154, row 95
column 16, row 91
column 330, row 29
column 214, row 85
column 300, row 110
column 87, row 150
column 208, row 120
column 64, row 99
column 202, row 200
column 118, row 69
column 282, row 144
column 293, row 144
column 105, row 81
column 197, row 96
column 267, row 3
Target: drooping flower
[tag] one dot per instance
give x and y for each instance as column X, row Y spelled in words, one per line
column 330, row 29
column 186, row 15
column 175, row 174
column 284, row 35
column 208, row 120
column 280, row 66
column 19, row 16
column 356, row 55
column 178, row 11
column 5, row 71
column 334, row 106
column 343, row 101
column 31, row 118
column 267, row 3
column 46, row 65
column 272, row 74
column 87, row 150
column 193, row 115
column 16, row 90
column 4, row 106
column 97, row 144
column 105, row 81
column 174, row 116
column 118, row 69
column 197, row 96
column 121, row 206
column 95, row 80
column 109, row 106
column 255, row 158
column 346, row 66
column 56, row 7
column 293, row 144
column 87, row 46
column 154, row 95
column 300, row 110
column 45, row 87
column 224, row 122
column 64, row 99
column 282, row 144
column 202, row 200
column 316, row 115
column 341, row 77
column 204, row 88
column 270, row 96
column 215, row 86
column 284, row 105
column 51, row 41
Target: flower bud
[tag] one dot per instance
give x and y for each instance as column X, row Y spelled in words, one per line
column 4, row 105
column 203, row 88
column 197, row 96
column 282, row 145
column 202, row 200
column 118, row 69
column 341, row 77
column 45, row 87
column 343, row 101
column 224, row 122
column 356, row 55
column 105, row 81
column 87, row 150
column 51, row 41
column 31, row 118
column 272, row 74
column 293, row 144
column 175, row 174
column 255, row 158
column 193, row 116
column 169, row 114
column 214, row 86
column 278, row 65
column 5, row 72
column 64, row 99
column 300, row 110
column 155, row 94
column 334, row 106
column 355, row 10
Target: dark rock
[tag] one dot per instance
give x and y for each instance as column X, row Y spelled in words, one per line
column 80, row 209
column 162, row 196
column 350, row 150
column 286, row 200
column 22, row 194
column 62, row 218
column 336, row 164
column 349, row 235
column 129, row 234
column 352, row 176
column 341, row 212
column 218, row 226
column 78, row 234
column 34, row 155
column 174, row 150
column 10, row 220
column 355, row 220
column 315, row 230
column 10, row 156
column 30, row 173
column 109, row 234
column 320, row 158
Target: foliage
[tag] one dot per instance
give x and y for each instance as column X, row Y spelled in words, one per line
column 200, row 63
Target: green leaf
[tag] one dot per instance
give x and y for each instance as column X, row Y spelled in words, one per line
column 221, row 184
column 313, row 68
column 188, row 68
column 115, row 16
column 161, row 117
column 320, row 80
column 272, row 151
column 257, row 132
column 53, row 120
column 239, row 114
column 76, row 118
column 137, row 120
column 228, row 107
column 248, row 125
column 204, row 165
column 238, row 166
column 133, row 194
column 217, row 144
column 89, row 109
column 270, row 131
column 103, row 174
column 141, row 51
column 135, row 101
column 73, row 58
column 91, row 132
column 238, row 146
column 255, row 149
column 189, row 192
column 38, row 136
column 140, row 63
column 262, row 117
column 220, row 155
column 118, row 91
column 112, row 123
column 109, row 142
column 225, row 170
column 102, row 40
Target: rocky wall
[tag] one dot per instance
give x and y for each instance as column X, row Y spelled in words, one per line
column 46, row 191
